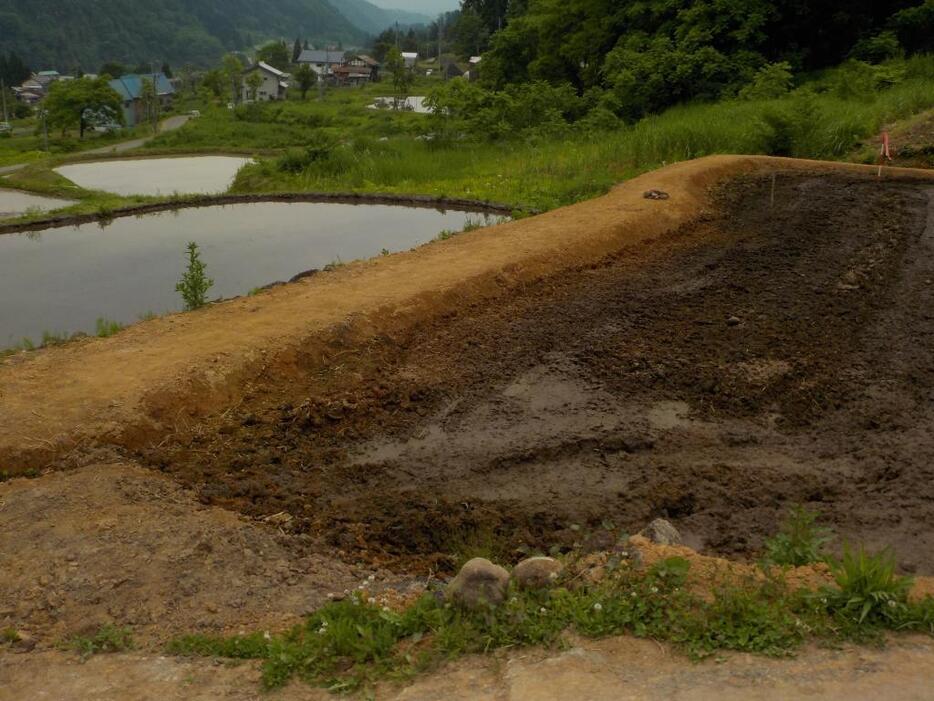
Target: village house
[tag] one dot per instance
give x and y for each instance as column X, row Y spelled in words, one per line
column 130, row 90
column 363, row 63
column 410, row 58
column 473, row 73
column 322, row 62
column 274, row 85
column 37, row 86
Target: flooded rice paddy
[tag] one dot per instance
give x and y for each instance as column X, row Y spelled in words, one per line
column 14, row 203
column 199, row 175
column 62, row 280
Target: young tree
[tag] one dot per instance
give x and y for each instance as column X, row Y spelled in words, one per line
column 233, row 71
column 470, row 34
column 253, row 83
column 215, row 81
column 401, row 76
column 305, row 78
column 296, row 50
column 194, row 283
column 276, row 54
column 113, row 69
column 70, row 101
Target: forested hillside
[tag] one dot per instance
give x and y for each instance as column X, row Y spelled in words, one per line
column 72, row 34
column 648, row 54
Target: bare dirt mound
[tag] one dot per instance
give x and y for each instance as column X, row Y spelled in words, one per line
column 60, row 404
column 761, row 356
column 120, row 545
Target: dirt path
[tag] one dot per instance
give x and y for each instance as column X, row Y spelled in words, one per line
column 157, row 376
column 608, row 670
column 167, row 125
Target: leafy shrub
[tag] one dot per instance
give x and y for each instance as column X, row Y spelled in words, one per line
column 876, row 49
column 105, row 639
column 771, row 81
column 800, row 541
column 296, row 160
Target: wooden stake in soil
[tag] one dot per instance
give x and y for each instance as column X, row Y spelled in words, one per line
column 772, row 196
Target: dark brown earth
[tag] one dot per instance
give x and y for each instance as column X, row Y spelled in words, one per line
column 761, row 357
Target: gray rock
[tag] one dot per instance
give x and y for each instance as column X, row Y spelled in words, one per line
column 537, row 572
column 662, row 532
column 479, row 584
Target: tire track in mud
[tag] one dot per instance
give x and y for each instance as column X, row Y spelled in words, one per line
column 762, row 356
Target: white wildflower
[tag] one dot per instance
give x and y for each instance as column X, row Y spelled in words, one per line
column 654, row 590
column 598, row 606
column 371, row 601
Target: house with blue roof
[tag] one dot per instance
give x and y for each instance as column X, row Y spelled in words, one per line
column 130, row 89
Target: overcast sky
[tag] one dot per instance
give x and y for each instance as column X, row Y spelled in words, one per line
column 430, row 7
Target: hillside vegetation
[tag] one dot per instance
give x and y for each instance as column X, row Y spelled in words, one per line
column 71, row 34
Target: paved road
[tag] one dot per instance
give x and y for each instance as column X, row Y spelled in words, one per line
column 167, row 125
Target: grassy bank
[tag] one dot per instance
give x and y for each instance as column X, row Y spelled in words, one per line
column 823, row 120
column 359, row 640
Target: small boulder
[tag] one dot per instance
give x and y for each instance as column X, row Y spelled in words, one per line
column 479, row 584
column 537, row 572
column 662, row 532
column 656, row 195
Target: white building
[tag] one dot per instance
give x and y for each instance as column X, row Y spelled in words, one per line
column 410, row 58
column 274, row 86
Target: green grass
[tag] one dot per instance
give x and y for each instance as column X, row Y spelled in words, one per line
column 28, row 148
column 105, row 639
column 106, row 327
column 351, row 644
column 827, row 119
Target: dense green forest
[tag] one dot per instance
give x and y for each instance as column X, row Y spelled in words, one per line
column 639, row 56
column 82, row 34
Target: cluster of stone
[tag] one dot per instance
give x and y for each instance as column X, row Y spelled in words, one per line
column 481, row 583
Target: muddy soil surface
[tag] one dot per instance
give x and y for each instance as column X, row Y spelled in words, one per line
column 763, row 356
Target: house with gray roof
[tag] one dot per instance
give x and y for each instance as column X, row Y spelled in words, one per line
column 322, row 61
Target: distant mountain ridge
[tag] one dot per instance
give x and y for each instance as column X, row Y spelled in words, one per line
column 373, row 19
column 68, row 35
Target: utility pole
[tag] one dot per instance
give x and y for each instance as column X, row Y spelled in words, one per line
column 6, row 117
column 44, row 114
